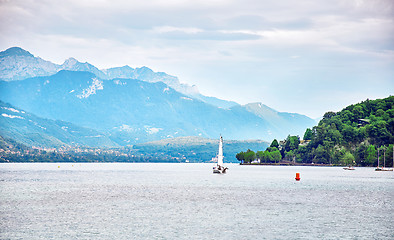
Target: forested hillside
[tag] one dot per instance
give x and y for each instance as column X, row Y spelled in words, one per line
column 353, row 136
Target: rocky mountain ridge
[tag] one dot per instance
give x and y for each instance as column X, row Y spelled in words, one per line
column 18, row 64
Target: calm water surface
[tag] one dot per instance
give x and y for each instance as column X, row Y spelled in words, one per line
column 187, row 201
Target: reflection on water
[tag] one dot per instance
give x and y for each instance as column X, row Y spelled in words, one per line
column 179, row 201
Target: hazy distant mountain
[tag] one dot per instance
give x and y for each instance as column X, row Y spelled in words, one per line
column 146, row 74
column 73, row 65
column 18, row 64
column 31, row 130
column 215, row 101
column 281, row 120
column 133, row 105
column 133, row 111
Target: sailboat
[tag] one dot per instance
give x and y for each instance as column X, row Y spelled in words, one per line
column 219, row 168
column 384, row 162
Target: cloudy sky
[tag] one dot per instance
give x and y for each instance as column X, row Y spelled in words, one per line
column 299, row 56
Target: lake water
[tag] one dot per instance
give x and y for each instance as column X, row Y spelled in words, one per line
column 187, row 201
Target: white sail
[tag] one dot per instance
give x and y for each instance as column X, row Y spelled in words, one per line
column 220, row 154
column 219, row 168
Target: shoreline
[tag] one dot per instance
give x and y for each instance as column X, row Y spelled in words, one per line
column 292, row 164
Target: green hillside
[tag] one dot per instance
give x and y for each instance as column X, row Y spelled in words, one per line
column 355, row 133
column 352, row 136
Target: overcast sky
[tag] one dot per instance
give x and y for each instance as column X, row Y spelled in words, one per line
column 298, row 56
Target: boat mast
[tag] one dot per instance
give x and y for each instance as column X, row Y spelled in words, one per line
column 220, row 153
column 378, row 157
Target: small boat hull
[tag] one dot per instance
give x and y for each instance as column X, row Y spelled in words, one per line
column 383, row 169
column 349, row 168
column 219, row 170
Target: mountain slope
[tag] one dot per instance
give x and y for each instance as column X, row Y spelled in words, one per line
column 133, row 105
column 131, row 111
column 281, row 120
column 31, row 130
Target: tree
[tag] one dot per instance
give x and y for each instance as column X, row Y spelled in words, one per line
column 271, row 149
column 358, row 112
column 240, row 157
column 389, row 156
column 329, row 115
column 370, row 155
column 378, row 132
column 275, row 144
column 276, row 156
column 379, row 113
column 321, row 155
column 303, row 153
column 334, row 136
column 347, row 116
column 390, row 126
column 250, row 156
column 292, row 143
column 290, row 155
column 308, row 134
column 260, row 155
column 267, row 157
column 361, row 134
column 360, row 154
column 349, row 134
column 347, row 159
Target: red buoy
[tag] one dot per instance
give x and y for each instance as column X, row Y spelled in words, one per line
column 297, row 178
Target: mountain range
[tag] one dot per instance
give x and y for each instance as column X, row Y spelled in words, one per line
column 126, row 106
column 18, row 64
column 32, row 130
